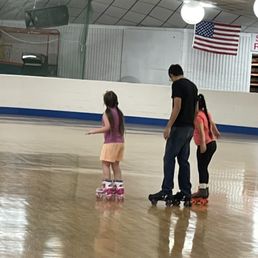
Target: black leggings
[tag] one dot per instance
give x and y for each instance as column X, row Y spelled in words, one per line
column 203, row 160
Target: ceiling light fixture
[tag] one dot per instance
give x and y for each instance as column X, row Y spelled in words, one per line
column 255, row 7
column 192, row 12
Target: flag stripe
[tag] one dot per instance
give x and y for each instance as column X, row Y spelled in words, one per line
column 225, row 39
column 217, row 38
column 215, row 42
column 226, row 34
column 216, row 51
column 227, row 25
column 216, row 47
column 226, row 30
column 226, row 42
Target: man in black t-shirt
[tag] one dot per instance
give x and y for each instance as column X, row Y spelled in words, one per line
column 178, row 134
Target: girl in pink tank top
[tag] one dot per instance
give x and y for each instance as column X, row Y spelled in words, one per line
column 112, row 150
column 205, row 133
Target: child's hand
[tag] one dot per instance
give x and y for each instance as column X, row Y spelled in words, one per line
column 91, row 131
column 217, row 135
column 203, row 148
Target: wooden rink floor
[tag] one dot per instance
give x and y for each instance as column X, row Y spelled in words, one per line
column 49, row 170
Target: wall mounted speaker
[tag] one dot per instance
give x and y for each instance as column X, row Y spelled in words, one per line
column 47, row 17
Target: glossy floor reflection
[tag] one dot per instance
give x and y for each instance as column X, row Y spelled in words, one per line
column 49, row 170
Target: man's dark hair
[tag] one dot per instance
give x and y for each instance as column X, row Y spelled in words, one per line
column 176, row 70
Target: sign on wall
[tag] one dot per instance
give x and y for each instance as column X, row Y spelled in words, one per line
column 254, row 47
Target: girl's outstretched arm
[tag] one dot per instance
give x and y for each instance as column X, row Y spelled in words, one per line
column 103, row 129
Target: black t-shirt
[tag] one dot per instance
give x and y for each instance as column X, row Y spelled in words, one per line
column 187, row 91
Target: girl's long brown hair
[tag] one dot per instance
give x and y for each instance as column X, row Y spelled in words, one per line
column 110, row 100
column 203, row 107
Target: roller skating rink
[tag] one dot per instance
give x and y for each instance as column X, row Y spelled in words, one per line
column 49, row 172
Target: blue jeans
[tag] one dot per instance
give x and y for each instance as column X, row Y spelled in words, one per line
column 177, row 146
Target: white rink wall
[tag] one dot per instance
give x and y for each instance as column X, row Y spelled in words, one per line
column 144, row 101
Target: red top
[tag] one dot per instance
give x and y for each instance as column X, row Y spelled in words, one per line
column 200, row 118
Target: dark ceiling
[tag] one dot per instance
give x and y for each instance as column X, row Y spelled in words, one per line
column 151, row 13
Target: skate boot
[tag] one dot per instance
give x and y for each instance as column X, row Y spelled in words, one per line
column 201, row 196
column 159, row 196
column 105, row 191
column 119, row 191
column 181, row 197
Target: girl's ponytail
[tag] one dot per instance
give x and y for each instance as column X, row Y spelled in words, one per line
column 203, row 107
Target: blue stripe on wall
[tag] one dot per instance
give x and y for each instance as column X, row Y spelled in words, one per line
column 128, row 119
column 49, row 113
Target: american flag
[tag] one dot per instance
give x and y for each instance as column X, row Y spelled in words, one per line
column 217, row 37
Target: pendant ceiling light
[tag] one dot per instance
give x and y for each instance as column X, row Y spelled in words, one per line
column 255, row 8
column 192, row 12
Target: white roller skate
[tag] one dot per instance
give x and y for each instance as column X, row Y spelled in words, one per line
column 105, row 192
column 119, row 190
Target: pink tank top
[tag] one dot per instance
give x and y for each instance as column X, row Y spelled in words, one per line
column 201, row 118
column 114, row 136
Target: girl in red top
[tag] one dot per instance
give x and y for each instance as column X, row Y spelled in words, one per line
column 205, row 135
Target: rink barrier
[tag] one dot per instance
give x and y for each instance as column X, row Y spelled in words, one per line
column 97, row 117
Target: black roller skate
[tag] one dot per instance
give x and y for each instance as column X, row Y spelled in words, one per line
column 181, row 197
column 159, row 196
